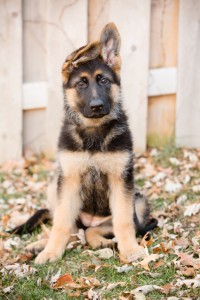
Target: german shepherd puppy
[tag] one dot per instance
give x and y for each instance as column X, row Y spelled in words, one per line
column 94, row 185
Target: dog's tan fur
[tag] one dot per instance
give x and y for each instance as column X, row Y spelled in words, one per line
column 65, row 200
column 67, row 204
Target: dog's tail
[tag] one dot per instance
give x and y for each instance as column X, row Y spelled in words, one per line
column 40, row 216
column 142, row 219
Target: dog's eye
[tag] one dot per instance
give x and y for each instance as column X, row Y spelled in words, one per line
column 82, row 83
column 103, row 80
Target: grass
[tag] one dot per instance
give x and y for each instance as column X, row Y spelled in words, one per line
column 73, row 263
column 78, row 264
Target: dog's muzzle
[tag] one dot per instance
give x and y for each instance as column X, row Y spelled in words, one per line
column 97, row 109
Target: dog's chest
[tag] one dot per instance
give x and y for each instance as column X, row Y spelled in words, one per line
column 94, row 192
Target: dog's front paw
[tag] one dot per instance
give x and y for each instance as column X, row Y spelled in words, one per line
column 133, row 254
column 45, row 257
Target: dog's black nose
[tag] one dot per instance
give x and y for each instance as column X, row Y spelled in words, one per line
column 96, row 105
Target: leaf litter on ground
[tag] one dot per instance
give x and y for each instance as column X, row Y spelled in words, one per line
column 171, row 182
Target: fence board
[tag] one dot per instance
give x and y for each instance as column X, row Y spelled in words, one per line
column 132, row 19
column 10, row 80
column 67, row 30
column 163, row 54
column 35, row 14
column 188, row 95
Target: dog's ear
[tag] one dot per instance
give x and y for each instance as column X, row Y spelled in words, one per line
column 110, row 45
column 83, row 54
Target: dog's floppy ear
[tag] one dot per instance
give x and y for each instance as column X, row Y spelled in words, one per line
column 83, row 54
column 110, row 46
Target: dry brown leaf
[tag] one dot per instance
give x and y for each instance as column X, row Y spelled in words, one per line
column 159, row 263
column 132, row 295
column 76, row 294
column 65, row 281
column 147, row 240
column 182, row 242
column 189, row 272
column 167, row 288
column 161, row 248
column 62, row 281
column 25, row 257
column 88, row 282
column 188, row 260
column 145, row 262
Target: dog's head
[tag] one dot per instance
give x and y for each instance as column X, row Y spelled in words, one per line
column 91, row 78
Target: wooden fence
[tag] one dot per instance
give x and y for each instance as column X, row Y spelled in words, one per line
column 160, row 73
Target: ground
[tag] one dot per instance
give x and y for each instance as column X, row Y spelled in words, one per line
column 171, row 179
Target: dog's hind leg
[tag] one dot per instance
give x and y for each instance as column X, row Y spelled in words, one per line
column 37, row 247
column 95, row 236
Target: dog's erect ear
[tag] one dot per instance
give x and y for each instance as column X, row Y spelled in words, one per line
column 110, row 45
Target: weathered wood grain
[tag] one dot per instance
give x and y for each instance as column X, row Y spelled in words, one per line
column 133, row 19
column 188, row 96
column 10, row 80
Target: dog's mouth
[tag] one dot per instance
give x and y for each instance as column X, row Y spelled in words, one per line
column 95, row 115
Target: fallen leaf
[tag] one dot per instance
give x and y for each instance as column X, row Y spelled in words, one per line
column 181, row 199
column 167, row 288
column 111, row 286
column 192, row 209
column 196, row 188
column 25, row 257
column 8, row 289
column 194, row 283
column 145, row 262
column 172, row 187
column 75, row 294
column 161, row 248
column 132, row 295
column 86, row 282
column 65, row 281
column 124, row 269
column 145, row 289
column 105, row 253
column 174, row 161
column 188, row 260
column 189, row 272
column 159, row 263
column 147, row 240
column 62, row 281
column 93, row 295
column 182, row 242
column 55, row 277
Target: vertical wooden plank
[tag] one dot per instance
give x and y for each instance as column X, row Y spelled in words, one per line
column 34, row 130
column 35, row 15
column 132, row 18
column 67, row 30
column 10, row 80
column 164, row 33
column 161, row 113
column 35, row 25
column 188, row 95
column 163, row 53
